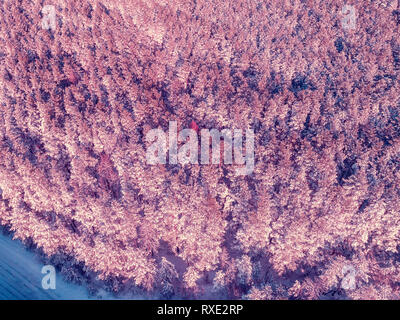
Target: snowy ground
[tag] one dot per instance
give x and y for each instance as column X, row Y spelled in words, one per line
column 21, row 277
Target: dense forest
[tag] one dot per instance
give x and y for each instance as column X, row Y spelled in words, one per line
column 319, row 217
